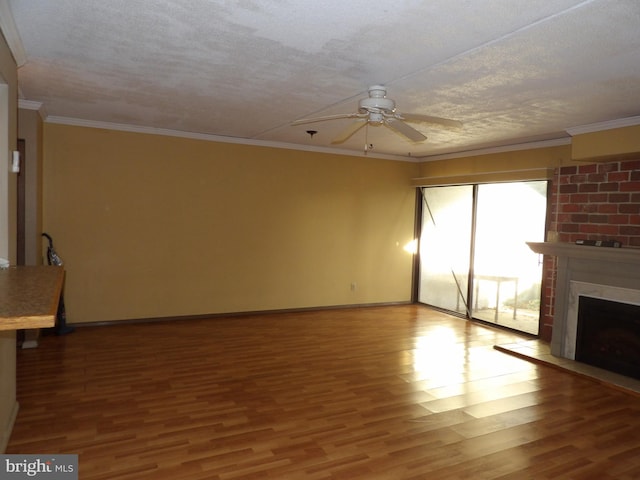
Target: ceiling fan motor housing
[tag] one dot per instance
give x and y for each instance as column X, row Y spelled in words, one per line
column 377, row 108
column 377, row 105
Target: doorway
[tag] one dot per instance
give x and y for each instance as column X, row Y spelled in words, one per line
column 474, row 260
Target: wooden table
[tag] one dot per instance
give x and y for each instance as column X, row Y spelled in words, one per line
column 497, row 279
column 29, row 296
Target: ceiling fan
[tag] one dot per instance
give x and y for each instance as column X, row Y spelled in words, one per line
column 377, row 109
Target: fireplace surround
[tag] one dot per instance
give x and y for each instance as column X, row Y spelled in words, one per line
column 597, row 272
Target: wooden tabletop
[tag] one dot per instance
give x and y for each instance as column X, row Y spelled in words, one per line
column 29, row 296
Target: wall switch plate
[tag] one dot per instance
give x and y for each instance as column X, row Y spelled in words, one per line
column 15, row 162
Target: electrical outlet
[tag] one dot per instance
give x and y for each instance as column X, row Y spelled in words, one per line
column 353, row 286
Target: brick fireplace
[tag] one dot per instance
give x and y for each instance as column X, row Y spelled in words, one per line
column 592, row 202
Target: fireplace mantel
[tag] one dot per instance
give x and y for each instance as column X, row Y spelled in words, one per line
column 586, row 252
column 599, row 268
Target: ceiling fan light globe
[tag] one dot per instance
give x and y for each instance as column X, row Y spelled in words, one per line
column 376, row 117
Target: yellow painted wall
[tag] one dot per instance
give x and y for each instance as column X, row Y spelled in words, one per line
column 607, row 145
column 8, row 203
column 155, row 226
column 533, row 164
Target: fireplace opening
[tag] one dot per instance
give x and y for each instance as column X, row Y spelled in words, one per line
column 608, row 335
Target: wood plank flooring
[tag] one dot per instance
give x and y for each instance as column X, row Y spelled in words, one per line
column 400, row 392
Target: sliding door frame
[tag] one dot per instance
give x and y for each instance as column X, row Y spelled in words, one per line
column 417, row 230
column 415, row 295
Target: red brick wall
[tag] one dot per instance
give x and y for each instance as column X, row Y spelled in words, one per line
column 591, row 202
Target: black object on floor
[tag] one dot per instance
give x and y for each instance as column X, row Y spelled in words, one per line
column 61, row 327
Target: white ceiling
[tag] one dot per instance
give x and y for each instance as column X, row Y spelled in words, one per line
column 512, row 71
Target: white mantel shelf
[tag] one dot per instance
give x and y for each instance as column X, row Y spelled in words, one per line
column 586, row 252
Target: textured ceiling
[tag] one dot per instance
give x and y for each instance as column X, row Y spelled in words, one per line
column 511, row 70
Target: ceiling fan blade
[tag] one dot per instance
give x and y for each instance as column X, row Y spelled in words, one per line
column 328, row 117
column 350, row 130
column 403, row 129
column 416, row 117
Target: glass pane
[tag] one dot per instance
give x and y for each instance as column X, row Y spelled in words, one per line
column 507, row 274
column 444, row 246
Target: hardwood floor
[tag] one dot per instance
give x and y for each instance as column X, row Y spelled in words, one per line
column 399, row 392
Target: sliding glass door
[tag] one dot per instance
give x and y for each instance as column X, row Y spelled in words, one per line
column 507, row 274
column 476, row 235
column 444, row 247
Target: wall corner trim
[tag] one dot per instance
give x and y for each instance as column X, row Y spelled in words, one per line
column 32, row 105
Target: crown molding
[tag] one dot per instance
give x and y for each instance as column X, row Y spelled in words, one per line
column 609, row 125
column 76, row 122
column 32, row 105
column 11, row 35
